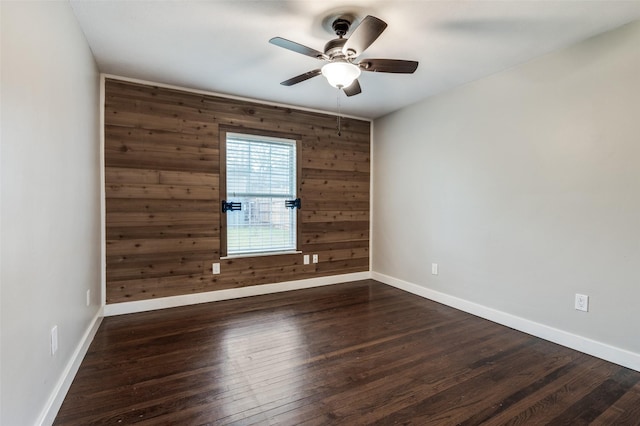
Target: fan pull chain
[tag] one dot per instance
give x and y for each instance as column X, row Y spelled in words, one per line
column 339, row 113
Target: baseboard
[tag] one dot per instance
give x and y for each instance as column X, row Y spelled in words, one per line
column 48, row 414
column 232, row 293
column 591, row 347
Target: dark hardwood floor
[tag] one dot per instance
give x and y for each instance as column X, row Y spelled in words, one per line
column 356, row 353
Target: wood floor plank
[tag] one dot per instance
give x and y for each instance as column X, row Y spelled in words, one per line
column 355, row 353
column 626, row 411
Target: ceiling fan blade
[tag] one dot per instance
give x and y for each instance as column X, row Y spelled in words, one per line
column 399, row 66
column 302, row 77
column 354, row 89
column 297, row 47
column 363, row 36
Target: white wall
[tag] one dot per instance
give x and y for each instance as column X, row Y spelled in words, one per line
column 50, row 213
column 525, row 188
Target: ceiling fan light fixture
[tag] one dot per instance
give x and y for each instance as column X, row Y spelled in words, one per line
column 340, row 74
column 341, row 53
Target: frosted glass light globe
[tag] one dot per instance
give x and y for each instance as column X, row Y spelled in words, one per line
column 340, row 74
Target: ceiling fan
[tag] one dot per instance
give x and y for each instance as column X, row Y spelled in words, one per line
column 342, row 70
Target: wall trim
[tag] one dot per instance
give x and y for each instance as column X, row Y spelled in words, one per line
column 226, row 294
column 103, row 198
column 588, row 346
column 56, row 398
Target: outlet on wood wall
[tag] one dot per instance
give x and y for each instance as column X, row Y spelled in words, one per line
column 162, row 186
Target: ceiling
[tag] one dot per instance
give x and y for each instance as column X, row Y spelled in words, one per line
column 222, row 45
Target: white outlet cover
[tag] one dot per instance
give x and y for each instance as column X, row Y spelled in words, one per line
column 215, row 268
column 582, row 302
column 434, row 269
column 54, row 340
column 305, row 259
column 315, row 258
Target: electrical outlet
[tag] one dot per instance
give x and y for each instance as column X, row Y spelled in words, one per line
column 54, row 340
column 88, row 297
column 582, row 302
column 315, row 258
column 215, row 268
column 434, row 269
column 305, row 259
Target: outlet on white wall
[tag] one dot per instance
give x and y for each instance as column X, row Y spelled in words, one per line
column 54, row 340
column 88, row 297
column 434, row 269
column 582, row 302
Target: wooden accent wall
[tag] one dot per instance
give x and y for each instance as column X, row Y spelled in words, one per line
column 163, row 202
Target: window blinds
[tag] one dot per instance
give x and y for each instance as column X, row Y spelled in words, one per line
column 261, row 174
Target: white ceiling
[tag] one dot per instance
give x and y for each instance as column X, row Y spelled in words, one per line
column 222, row 45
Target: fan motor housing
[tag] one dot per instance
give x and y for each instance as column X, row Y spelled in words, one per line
column 333, row 48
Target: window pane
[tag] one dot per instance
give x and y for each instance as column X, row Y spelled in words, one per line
column 263, row 224
column 256, row 167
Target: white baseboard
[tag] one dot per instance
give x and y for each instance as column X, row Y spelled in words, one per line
column 48, row 414
column 592, row 347
column 232, row 293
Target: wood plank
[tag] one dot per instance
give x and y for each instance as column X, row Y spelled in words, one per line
column 346, row 197
column 162, row 268
column 167, row 245
column 162, row 161
column 175, row 192
column 266, row 274
column 119, row 205
column 160, row 232
column 312, row 202
column 129, row 260
column 131, row 175
column 140, row 147
column 334, row 142
column 341, row 154
column 160, row 218
column 328, row 247
column 119, row 133
column 334, row 215
column 332, row 164
column 150, row 121
column 335, row 185
column 625, row 411
column 320, row 173
column 153, row 108
column 333, row 255
column 136, row 150
column 150, row 288
column 337, row 227
column 351, row 264
column 332, row 237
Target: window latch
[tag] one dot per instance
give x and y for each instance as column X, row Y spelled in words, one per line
column 230, row 206
column 293, row 203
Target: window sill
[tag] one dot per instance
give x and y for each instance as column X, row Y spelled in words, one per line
column 262, row 254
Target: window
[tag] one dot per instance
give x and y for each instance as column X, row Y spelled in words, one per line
column 259, row 202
